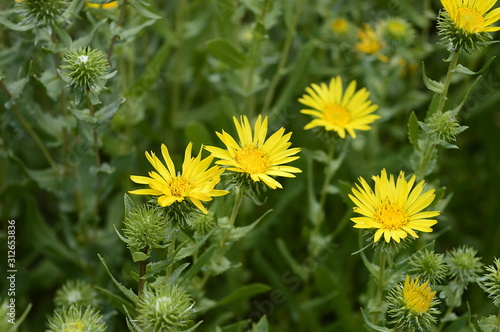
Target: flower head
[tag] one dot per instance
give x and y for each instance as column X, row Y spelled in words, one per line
column 164, row 308
column 491, row 282
column 145, row 226
column 427, row 265
column 77, row 319
column 254, row 156
column 394, row 208
column 443, row 128
column 411, row 306
column 195, row 183
column 341, row 28
column 396, row 31
column 40, row 12
column 76, row 293
column 338, row 110
column 463, row 264
column 466, row 23
column 369, row 41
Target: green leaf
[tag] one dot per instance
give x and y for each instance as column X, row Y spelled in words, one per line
column 245, row 292
column 65, row 37
column 239, row 232
column 108, row 111
column 13, row 26
column 413, row 129
column 190, row 250
column 88, row 37
column 140, row 256
column 261, row 326
column 141, row 9
column 463, row 70
column 117, row 301
column 227, row 53
column 373, row 326
column 296, row 267
column 127, row 292
column 198, row 265
column 128, row 203
column 129, row 33
column 432, row 85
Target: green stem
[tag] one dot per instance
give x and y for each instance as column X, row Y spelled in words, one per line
column 30, row 130
column 426, row 158
column 249, row 103
column 142, row 272
column 121, row 18
column 447, row 81
column 170, row 253
column 283, row 59
column 449, row 310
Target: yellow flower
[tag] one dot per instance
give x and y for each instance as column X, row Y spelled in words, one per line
column 109, row 5
column 340, row 26
column 369, row 42
column 336, row 110
column 470, row 15
column 196, row 182
column 255, row 156
column 418, row 298
column 393, row 208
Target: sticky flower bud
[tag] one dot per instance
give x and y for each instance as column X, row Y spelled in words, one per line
column 164, row 308
column 76, row 293
column 40, row 12
column 77, row 319
column 491, row 282
column 427, row 265
column 145, row 226
column 443, row 128
column 85, row 70
column 411, row 306
column 463, row 264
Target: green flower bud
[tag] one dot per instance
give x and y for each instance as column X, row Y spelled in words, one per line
column 164, row 309
column 76, row 293
column 85, row 70
column 427, row 265
column 411, row 306
column 396, row 32
column 146, row 226
column 40, row 12
column 203, row 223
column 77, row 319
column 489, row 324
column 491, row 282
column 463, row 264
column 443, row 128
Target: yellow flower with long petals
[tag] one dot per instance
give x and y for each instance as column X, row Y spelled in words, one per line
column 369, row 42
column 255, row 156
column 337, row 110
column 471, row 16
column 195, row 183
column 394, row 208
column 417, row 297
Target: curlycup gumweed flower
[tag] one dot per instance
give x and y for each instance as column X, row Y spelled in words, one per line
column 85, row 70
column 255, row 157
column 338, row 110
column 40, row 12
column 466, row 24
column 196, row 183
column 165, row 308
column 411, row 306
column 393, row 208
column 107, row 5
column 77, row 319
column 491, row 282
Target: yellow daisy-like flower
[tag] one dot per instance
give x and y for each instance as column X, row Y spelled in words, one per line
column 108, row 5
column 418, row 298
column 471, row 16
column 394, row 208
column 369, row 42
column 255, row 156
column 337, row 110
column 196, row 183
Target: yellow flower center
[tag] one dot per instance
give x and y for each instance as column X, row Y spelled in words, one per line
column 337, row 115
column 179, row 187
column 74, row 326
column 469, row 19
column 391, row 217
column 252, row 160
column 417, row 299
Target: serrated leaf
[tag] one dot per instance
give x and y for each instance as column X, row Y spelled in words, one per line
column 108, row 111
column 245, row 292
column 127, row 292
column 413, row 129
column 140, row 256
column 432, row 85
column 463, row 70
column 141, row 9
column 227, row 53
